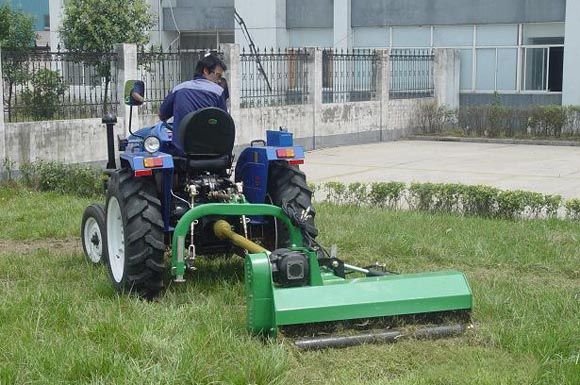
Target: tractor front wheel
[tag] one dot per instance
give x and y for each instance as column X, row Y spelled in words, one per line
column 135, row 238
column 92, row 232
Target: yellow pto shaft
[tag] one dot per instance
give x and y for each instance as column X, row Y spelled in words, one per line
column 223, row 230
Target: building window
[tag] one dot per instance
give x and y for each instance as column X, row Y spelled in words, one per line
column 543, row 67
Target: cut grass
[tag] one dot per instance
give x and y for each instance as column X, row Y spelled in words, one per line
column 61, row 321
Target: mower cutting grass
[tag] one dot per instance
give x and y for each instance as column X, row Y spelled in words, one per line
column 159, row 199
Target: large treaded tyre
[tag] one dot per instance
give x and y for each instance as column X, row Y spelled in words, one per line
column 287, row 188
column 135, row 238
column 92, row 234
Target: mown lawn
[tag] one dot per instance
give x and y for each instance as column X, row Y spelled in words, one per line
column 61, row 322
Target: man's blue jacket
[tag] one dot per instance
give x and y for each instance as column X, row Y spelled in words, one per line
column 190, row 96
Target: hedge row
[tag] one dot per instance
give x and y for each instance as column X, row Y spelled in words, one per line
column 73, row 179
column 477, row 200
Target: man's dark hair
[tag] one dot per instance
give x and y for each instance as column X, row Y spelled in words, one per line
column 210, row 62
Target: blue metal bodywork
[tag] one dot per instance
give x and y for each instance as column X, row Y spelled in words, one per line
column 134, row 152
column 252, row 165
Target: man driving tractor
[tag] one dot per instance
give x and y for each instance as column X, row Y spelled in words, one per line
column 192, row 95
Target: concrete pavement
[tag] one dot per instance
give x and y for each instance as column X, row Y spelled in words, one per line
column 545, row 169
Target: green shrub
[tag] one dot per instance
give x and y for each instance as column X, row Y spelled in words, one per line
column 497, row 120
column 421, row 196
column 313, row 187
column 63, row 178
column 548, row 120
column 511, row 204
column 356, row 193
column 386, row 194
column 551, row 205
column 432, row 117
column 446, row 197
column 335, row 192
column 42, row 100
column 479, row 200
column 573, row 209
column 8, row 170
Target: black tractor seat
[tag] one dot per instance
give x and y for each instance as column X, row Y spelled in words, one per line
column 207, row 137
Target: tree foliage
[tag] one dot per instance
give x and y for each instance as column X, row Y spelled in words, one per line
column 96, row 25
column 16, row 38
column 16, row 30
column 90, row 29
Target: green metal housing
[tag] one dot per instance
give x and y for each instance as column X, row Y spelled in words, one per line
column 332, row 298
column 327, row 297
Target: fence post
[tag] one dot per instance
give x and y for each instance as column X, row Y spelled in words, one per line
column 232, row 61
column 382, row 86
column 127, row 70
column 446, row 77
column 315, row 88
column 3, row 154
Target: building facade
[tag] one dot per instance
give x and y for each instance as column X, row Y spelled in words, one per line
column 525, row 50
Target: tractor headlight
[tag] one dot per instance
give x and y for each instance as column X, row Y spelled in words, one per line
column 151, row 144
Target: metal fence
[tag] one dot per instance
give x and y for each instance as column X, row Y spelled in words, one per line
column 411, row 73
column 282, row 78
column 161, row 71
column 349, row 76
column 42, row 85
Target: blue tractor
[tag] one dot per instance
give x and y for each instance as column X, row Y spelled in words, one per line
column 155, row 185
column 187, row 204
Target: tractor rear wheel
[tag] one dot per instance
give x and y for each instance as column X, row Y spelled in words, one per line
column 287, row 188
column 135, row 238
column 92, row 233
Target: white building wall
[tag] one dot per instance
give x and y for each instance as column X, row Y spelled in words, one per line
column 310, row 37
column 265, row 21
column 571, row 91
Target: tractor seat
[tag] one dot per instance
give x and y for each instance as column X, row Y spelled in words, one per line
column 207, row 137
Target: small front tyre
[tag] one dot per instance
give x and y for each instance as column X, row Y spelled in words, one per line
column 92, row 233
column 135, row 238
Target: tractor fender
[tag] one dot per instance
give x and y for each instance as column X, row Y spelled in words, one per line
column 253, row 166
column 137, row 160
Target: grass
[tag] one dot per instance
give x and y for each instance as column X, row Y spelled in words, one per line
column 61, row 322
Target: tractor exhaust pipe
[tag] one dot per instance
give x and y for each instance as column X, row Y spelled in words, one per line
column 223, row 230
column 110, row 120
column 390, row 336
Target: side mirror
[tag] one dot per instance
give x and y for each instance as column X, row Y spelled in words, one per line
column 134, row 92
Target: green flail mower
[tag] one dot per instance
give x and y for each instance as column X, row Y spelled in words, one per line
column 302, row 285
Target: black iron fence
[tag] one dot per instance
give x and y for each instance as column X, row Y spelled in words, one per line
column 274, row 78
column 411, row 73
column 349, row 76
column 42, row 85
column 163, row 70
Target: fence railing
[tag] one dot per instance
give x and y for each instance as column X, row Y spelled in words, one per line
column 41, row 85
column 349, row 76
column 411, row 73
column 282, row 78
column 161, row 71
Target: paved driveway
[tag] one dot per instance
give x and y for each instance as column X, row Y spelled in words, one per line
column 545, row 169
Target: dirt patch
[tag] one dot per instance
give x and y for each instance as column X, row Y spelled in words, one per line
column 67, row 245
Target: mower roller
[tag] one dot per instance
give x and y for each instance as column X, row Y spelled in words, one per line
column 160, row 197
